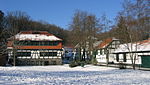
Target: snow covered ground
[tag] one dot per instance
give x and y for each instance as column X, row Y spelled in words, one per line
column 63, row 75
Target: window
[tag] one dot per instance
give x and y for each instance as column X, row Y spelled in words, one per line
column 117, row 57
column 37, row 43
column 48, row 53
column 23, row 53
column 55, row 43
column 101, row 52
column 46, row 43
column 124, row 58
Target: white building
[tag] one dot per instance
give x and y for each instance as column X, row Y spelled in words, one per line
column 106, row 49
column 35, row 48
column 139, row 50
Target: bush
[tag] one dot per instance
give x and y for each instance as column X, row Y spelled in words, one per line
column 77, row 63
column 73, row 64
column 122, row 65
column 88, row 62
column 82, row 64
column 94, row 62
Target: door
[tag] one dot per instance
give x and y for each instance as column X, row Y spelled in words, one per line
column 146, row 61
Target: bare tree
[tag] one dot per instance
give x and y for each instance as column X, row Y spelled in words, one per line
column 1, row 30
column 3, row 41
column 105, row 24
column 77, row 27
column 126, row 36
column 16, row 21
column 93, row 27
column 84, row 28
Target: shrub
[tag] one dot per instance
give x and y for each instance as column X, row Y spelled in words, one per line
column 82, row 64
column 88, row 62
column 77, row 63
column 73, row 64
column 94, row 62
column 122, row 65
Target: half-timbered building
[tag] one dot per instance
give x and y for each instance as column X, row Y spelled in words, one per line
column 35, row 48
column 105, row 50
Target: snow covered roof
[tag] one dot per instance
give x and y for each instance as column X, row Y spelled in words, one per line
column 136, row 47
column 36, row 36
column 96, row 43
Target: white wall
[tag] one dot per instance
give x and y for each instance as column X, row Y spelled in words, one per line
column 101, row 58
column 128, row 61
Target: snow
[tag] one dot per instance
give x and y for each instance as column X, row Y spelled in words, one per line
column 96, row 43
column 37, row 37
column 63, row 75
column 135, row 47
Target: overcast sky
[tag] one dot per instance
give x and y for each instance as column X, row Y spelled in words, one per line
column 60, row 12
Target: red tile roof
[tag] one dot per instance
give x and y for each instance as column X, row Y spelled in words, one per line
column 105, row 42
column 144, row 41
column 36, row 32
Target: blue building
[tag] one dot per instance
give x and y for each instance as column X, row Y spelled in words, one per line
column 68, row 55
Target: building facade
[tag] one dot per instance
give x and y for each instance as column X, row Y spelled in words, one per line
column 35, row 48
column 139, row 51
column 105, row 50
column 87, row 52
column 68, row 55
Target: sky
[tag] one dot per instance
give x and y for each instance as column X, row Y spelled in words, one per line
column 60, row 12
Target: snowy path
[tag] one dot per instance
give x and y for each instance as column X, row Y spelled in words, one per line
column 63, row 75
